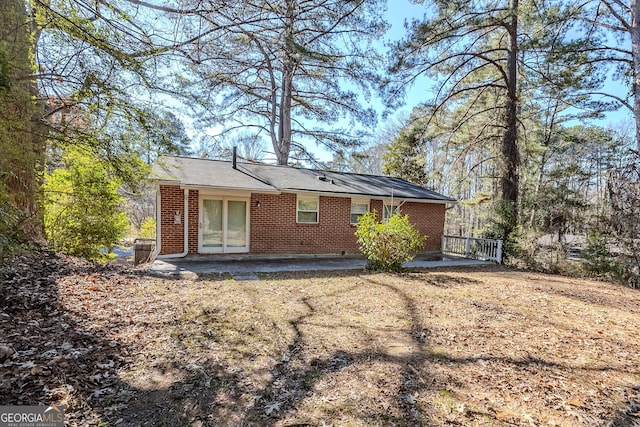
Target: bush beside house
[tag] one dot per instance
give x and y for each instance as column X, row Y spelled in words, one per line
column 388, row 244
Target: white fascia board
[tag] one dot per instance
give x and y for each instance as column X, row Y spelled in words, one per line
column 400, row 200
column 385, row 199
column 226, row 191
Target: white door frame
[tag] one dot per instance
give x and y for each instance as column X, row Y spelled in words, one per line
column 225, row 212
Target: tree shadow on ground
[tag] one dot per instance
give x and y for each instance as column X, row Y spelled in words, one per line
column 436, row 278
column 85, row 370
column 61, row 353
column 629, row 416
column 206, row 393
column 610, row 298
column 209, row 392
column 291, row 383
column 50, row 355
column 314, row 274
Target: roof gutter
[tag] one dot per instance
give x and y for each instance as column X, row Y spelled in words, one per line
column 210, row 188
column 367, row 196
column 159, row 228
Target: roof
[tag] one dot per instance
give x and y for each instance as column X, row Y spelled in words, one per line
column 206, row 173
column 269, row 178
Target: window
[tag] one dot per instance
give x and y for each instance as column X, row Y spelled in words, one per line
column 358, row 208
column 308, row 210
column 388, row 210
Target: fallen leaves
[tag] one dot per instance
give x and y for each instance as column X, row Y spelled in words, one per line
column 473, row 348
column 50, row 354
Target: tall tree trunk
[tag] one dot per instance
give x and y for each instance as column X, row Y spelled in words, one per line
column 510, row 181
column 22, row 132
column 284, row 126
column 635, row 52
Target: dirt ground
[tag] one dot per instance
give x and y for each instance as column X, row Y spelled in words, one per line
column 466, row 347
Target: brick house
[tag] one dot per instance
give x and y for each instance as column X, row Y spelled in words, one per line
column 210, row 206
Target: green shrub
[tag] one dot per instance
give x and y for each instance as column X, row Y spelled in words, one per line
column 597, row 258
column 148, row 228
column 599, row 261
column 82, row 208
column 503, row 226
column 387, row 245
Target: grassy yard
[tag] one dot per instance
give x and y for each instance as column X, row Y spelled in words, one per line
column 469, row 347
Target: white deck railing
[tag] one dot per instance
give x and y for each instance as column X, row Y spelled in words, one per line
column 474, row 248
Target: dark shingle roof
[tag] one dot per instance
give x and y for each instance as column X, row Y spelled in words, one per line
column 261, row 177
column 206, row 173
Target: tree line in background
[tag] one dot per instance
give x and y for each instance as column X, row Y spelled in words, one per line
column 510, row 129
column 88, row 92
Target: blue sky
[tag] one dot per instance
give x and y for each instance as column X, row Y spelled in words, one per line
column 399, row 11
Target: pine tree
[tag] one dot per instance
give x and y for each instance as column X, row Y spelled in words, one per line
column 21, row 133
column 279, row 69
column 405, row 157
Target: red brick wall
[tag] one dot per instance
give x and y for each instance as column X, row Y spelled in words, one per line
column 171, row 201
column 428, row 218
column 273, row 226
column 194, row 220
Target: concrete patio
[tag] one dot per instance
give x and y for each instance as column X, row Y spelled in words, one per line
column 245, row 266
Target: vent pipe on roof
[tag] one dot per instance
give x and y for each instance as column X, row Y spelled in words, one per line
column 235, row 154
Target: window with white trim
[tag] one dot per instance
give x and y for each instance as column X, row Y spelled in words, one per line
column 358, row 208
column 389, row 209
column 307, row 210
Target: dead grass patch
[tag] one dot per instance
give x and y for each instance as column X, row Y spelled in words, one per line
column 474, row 347
column 467, row 347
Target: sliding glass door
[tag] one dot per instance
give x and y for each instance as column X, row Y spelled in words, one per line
column 212, row 229
column 236, row 224
column 224, row 225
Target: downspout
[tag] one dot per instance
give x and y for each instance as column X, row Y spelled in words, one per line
column 186, row 228
column 156, row 250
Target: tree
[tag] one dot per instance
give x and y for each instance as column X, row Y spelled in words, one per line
column 569, row 168
column 151, row 132
column 561, row 202
column 495, row 66
column 369, row 158
column 68, row 69
column 624, row 192
column 21, row 138
column 405, row 157
column 280, row 69
column 83, row 212
column 96, row 77
column 471, row 49
column 249, row 147
column 613, row 32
